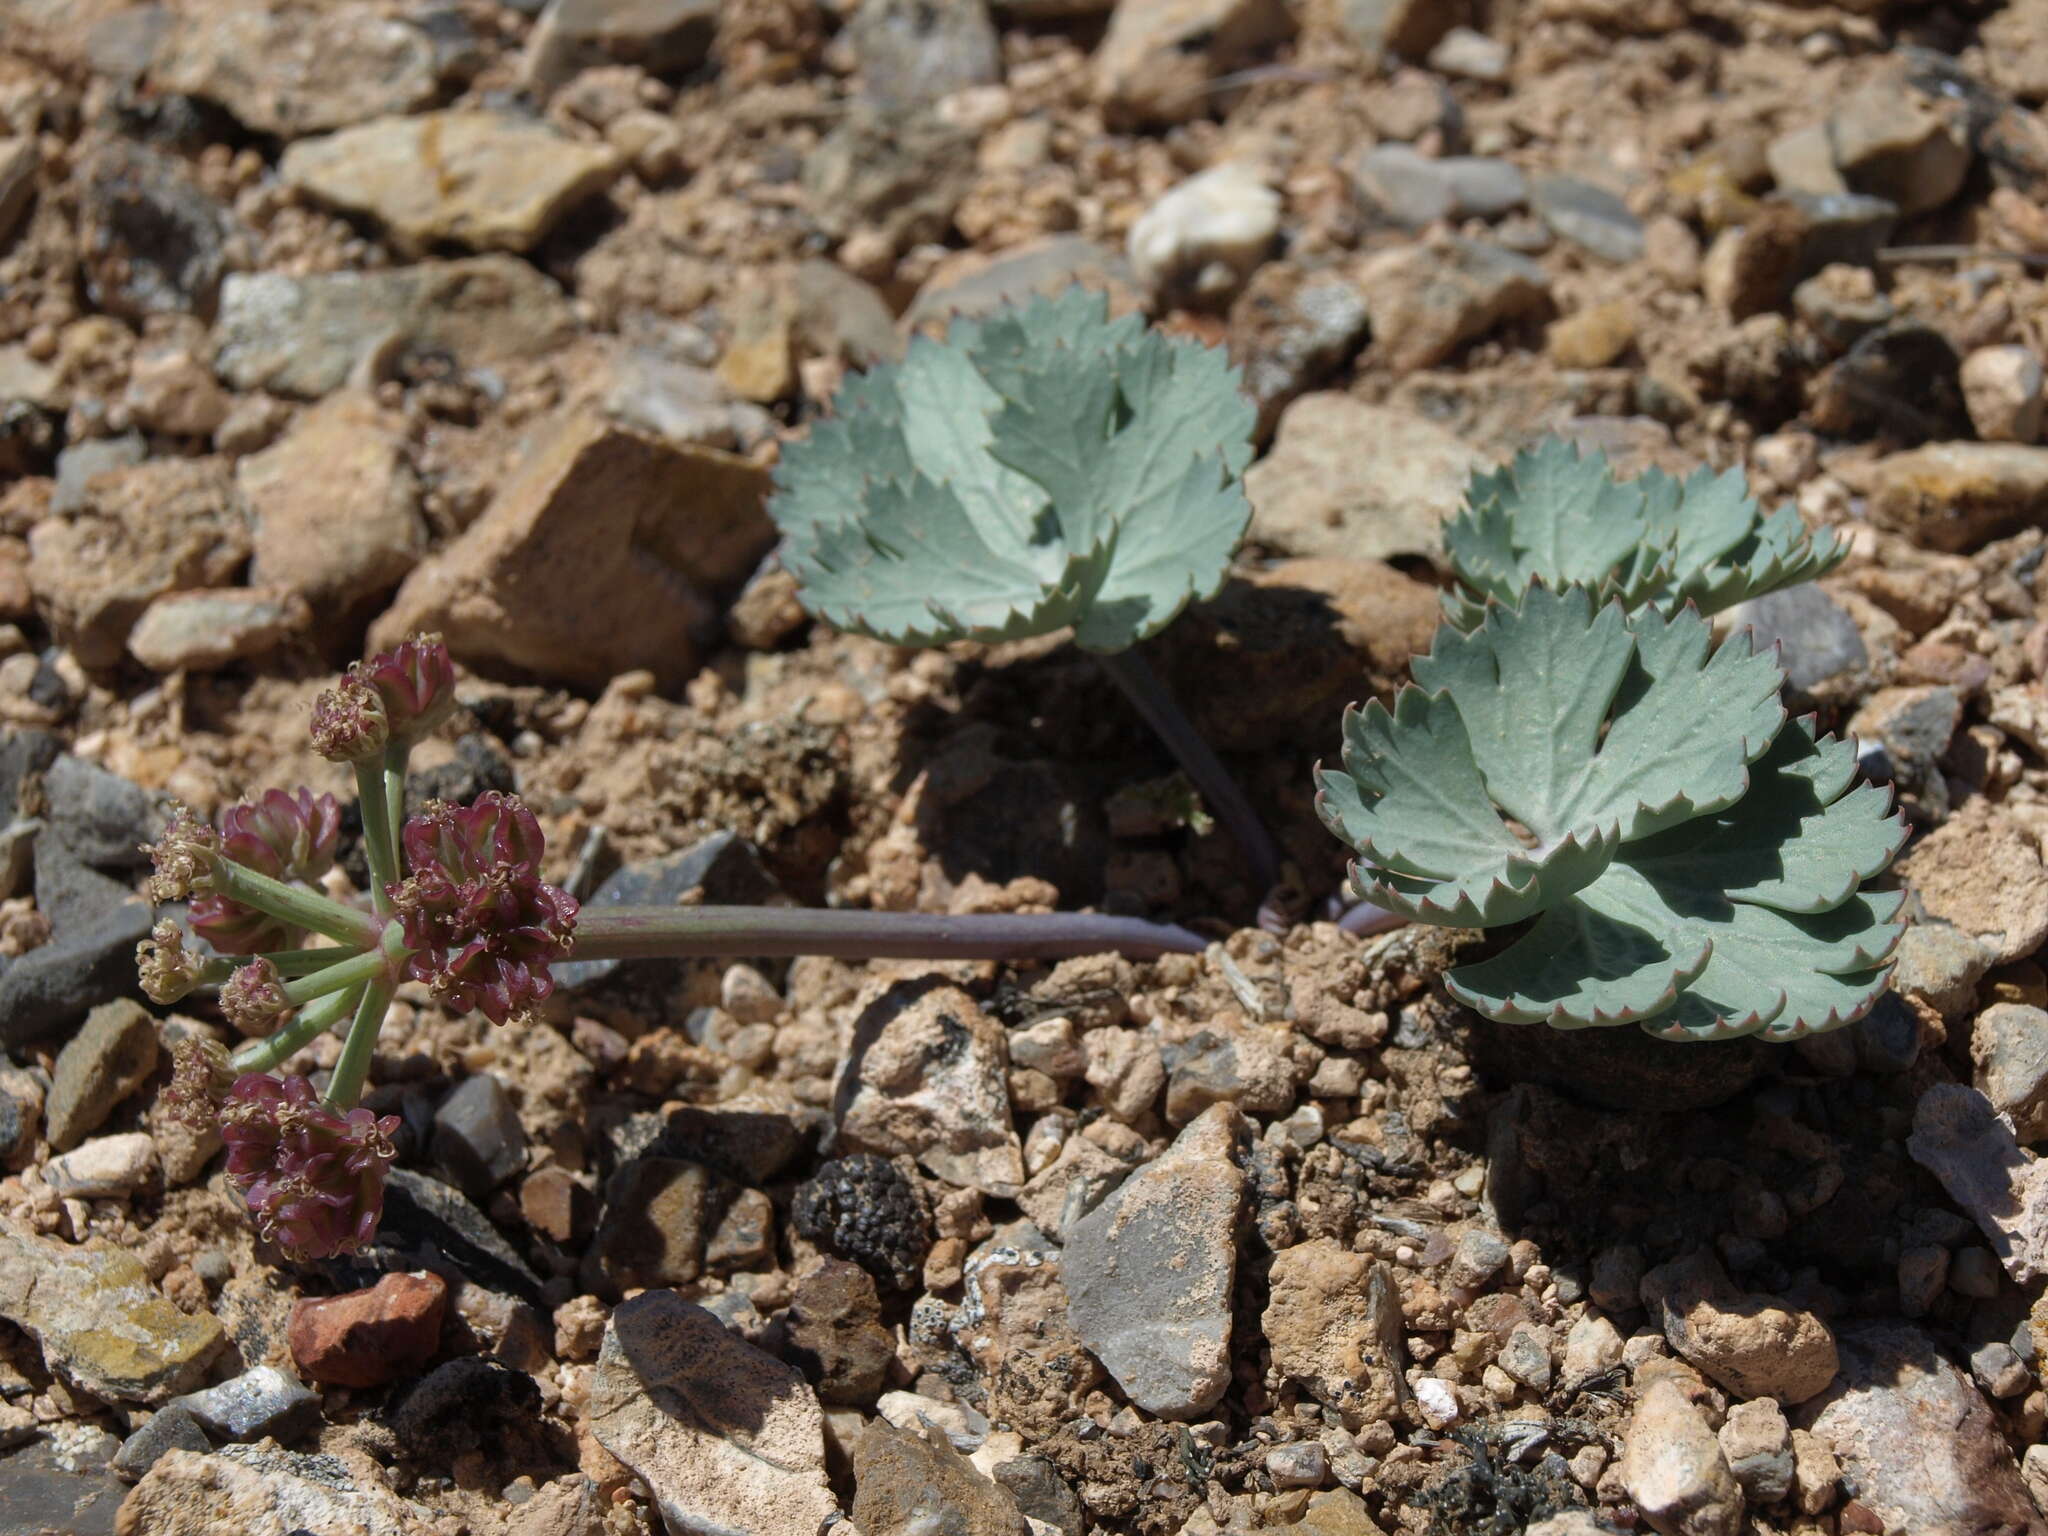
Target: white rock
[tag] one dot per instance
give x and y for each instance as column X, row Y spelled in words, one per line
column 727, row 1437
column 2002, row 391
column 1208, row 233
column 1462, row 51
column 107, row 1167
column 1438, row 1400
column 926, row 1074
column 1592, row 1348
column 959, row 1423
column 1969, row 1146
column 1673, row 1468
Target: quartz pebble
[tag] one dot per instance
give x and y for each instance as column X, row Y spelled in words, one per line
column 1208, row 233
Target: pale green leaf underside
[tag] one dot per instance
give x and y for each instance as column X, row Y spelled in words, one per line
column 1555, row 516
column 1043, row 467
column 1690, row 865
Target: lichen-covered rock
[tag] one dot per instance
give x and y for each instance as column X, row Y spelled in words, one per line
column 100, row 1322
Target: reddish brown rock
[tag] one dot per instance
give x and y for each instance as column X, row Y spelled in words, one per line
column 367, row 1338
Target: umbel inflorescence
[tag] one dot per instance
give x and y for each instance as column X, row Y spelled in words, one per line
column 457, row 903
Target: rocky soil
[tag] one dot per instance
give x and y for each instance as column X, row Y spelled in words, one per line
column 324, row 322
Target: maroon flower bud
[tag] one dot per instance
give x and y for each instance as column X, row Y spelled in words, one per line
column 416, row 681
column 349, row 724
column 184, row 857
column 200, row 1080
column 286, row 836
column 169, row 970
column 483, row 926
column 313, row 1177
column 253, row 998
column 233, row 929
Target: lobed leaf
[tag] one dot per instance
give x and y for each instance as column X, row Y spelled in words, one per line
column 1692, row 863
column 1556, row 516
column 1042, row 467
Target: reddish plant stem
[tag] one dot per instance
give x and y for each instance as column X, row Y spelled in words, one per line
column 1151, row 698
column 656, row 933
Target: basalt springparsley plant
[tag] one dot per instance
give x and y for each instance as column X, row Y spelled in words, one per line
column 1675, row 852
column 1043, row 468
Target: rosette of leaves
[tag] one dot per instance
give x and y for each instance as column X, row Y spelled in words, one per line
column 1562, row 518
column 1041, row 467
column 1682, row 855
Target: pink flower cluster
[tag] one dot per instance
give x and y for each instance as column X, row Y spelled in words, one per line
column 483, row 926
column 285, row 836
column 313, row 1177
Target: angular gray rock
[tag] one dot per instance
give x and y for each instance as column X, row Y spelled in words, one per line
column 262, row 1401
column 1151, row 1270
column 477, row 1135
column 1588, row 216
column 303, row 335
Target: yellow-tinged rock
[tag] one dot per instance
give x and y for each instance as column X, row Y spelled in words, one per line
column 100, row 1322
